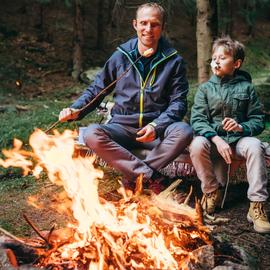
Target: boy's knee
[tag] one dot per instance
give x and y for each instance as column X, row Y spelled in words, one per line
column 253, row 145
column 198, row 145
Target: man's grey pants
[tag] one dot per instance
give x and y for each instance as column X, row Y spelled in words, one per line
column 114, row 142
column 211, row 168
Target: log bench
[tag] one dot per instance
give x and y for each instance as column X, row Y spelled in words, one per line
column 182, row 165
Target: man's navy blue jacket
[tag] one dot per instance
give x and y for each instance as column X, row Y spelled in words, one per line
column 160, row 99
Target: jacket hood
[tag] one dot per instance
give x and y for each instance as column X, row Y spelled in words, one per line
column 239, row 75
column 164, row 46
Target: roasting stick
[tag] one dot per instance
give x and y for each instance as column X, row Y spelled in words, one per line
column 227, row 185
column 76, row 113
column 228, row 177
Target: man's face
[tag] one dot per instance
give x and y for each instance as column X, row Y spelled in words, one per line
column 149, row 26
column 223, row 63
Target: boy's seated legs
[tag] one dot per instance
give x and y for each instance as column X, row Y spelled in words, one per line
column 204, row 157
column 210, row 169
column 252, row 150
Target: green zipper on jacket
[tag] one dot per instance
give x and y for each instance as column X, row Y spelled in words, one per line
column 144, row 82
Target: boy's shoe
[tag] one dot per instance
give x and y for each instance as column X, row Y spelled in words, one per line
column 210, row 201
column 258, row 217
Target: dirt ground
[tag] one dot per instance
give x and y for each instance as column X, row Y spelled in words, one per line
column 239, row 231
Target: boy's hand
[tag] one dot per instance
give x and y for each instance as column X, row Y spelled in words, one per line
column 68, row 114
column 229, row 124
column 146, row 134
column 223, row 148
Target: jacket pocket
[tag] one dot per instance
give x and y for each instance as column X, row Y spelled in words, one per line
column 240, row 103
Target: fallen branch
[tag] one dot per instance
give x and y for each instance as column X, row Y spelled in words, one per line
column 52, row 72
column 10, row 235
column 37, row 230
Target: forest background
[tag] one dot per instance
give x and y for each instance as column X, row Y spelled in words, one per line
column 51, row 50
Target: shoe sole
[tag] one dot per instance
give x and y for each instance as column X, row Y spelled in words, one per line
column 259, row 230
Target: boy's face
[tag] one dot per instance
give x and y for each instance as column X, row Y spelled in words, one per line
column 223, row 64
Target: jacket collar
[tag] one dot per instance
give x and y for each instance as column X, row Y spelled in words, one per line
column 238, row 76
column 164, row 46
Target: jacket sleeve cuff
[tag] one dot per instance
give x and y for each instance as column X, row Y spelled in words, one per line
column 209, row 135
column 158, row 129
column 153, row 124
column 246, row 131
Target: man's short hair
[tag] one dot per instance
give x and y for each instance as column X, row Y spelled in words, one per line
column 155, row 5
column 231, row 46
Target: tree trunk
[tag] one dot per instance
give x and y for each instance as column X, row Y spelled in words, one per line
column 206, row 11
column 78, row 39
column 100, row 25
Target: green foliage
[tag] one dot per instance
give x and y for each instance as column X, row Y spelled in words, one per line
column 253, row 9
column 257, row 57
column 68, row 3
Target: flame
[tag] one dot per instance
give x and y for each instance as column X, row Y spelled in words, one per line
column 106, row 235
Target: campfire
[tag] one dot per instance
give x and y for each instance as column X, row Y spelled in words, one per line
column 139, row 231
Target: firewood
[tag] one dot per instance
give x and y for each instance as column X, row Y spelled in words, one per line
column 171, row 208
column 12, row 257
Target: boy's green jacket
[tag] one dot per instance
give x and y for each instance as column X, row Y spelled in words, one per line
column 233, row 97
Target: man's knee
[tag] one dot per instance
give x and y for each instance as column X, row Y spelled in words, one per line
column 93, row 136
column 182, row 131
column 199, row 145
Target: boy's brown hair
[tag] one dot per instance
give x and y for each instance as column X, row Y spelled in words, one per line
column 231, row 46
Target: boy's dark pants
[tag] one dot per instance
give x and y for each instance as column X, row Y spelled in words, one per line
column 114, row 142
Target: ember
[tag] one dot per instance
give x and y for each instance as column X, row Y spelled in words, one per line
column 129, row 234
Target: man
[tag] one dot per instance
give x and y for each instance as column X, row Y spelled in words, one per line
column 150, row 100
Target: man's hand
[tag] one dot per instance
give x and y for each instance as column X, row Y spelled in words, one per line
column 146, row 134
column 68, row 114
column 223, row 148
column 229, row 124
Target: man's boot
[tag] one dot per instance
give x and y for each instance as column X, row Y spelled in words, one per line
column 210, row 201
column 258, row 217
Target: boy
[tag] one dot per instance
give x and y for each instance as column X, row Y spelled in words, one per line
column 225, row 116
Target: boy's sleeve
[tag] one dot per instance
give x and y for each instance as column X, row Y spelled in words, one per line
column 200, row 115
column 255, row 123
